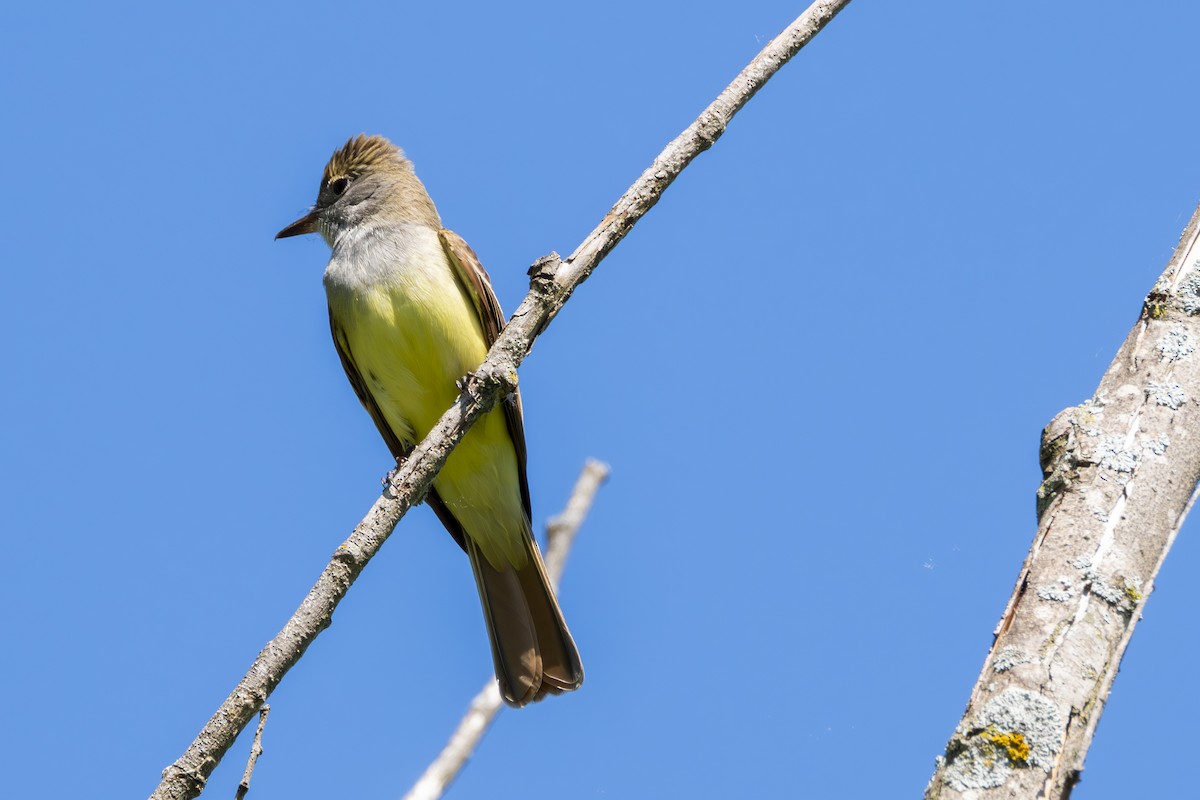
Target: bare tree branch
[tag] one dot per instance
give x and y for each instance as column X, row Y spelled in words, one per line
column 1121, row 475
column 561, row 530
column 255, row 751
column 552, row 283
column 560, row 534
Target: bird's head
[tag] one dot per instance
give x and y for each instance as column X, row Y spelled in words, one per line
column 367, row 179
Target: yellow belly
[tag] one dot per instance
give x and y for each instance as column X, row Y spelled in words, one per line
column 411, row 342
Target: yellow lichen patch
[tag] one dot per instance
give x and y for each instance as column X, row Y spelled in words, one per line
column 1014, row 744
column 1133, row 594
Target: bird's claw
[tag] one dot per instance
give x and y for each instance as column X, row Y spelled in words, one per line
column 463, row 384
column 389, row 480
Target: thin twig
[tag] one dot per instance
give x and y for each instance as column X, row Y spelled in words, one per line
column 255, row 752
column 552, row 283
column 561, row 530
column 560, row 534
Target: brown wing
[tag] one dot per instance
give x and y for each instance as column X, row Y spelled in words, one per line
column 478, row 285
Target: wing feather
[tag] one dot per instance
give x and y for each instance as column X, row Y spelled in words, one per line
column 478, row 285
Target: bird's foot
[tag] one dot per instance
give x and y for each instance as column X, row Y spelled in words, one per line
column 463, row 384
column 389, row 480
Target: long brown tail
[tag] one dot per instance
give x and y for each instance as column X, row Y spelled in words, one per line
column 533, row 650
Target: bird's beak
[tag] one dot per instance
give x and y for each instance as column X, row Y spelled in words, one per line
column 306, row 224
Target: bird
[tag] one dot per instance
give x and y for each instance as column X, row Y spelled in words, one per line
column 412, row 312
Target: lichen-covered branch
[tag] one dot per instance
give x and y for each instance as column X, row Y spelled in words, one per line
column 1121, row 471
column 552, row 283
column 560, row 535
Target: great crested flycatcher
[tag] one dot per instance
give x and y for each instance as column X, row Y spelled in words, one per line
column 412, row 312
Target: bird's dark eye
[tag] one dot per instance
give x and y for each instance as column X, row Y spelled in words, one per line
column 338, row 187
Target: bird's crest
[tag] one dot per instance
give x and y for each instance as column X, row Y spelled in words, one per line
column 361, row 154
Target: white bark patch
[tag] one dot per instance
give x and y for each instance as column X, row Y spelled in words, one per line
column 1175, row 344
column 1112, row 454
column 1010, row 657
column 1058, row 592
column 1013, row 712
column 1170, row 395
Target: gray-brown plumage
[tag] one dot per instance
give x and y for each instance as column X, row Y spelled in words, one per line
column 412, row 311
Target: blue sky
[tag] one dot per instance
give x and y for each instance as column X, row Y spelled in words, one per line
column 819, row 369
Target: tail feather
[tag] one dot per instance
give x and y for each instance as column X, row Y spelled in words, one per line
column 531, row 646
